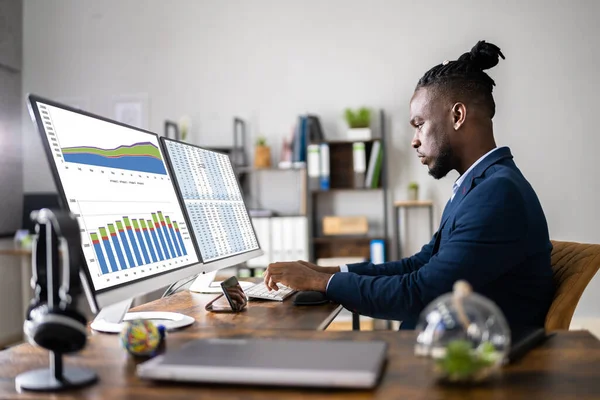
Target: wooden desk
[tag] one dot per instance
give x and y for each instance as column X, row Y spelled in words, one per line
column 260, row 314
column 566, row 367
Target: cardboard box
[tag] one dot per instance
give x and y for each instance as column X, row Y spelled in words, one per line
column 333, row 225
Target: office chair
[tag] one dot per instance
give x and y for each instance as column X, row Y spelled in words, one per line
column 573, row 266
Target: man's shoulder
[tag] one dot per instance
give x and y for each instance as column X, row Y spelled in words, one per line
column 501, row 194
column 503, row 191
column 498, row 184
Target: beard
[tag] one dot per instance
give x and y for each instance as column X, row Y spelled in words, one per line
column 443, row 163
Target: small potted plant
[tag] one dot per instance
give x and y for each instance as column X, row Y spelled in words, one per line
column 262, row 153
column 359, row 123
column 413, row 191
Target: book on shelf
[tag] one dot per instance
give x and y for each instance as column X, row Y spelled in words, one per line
column 308, row 130
column 324, row 166
column 315, row 131
column 375, row 163
column 359, row 163
column 313, row 166
column 297, row 141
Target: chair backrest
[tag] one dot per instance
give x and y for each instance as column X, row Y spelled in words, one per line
column 573, row 265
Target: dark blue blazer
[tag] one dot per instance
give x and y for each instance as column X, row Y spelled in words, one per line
column 493, row 234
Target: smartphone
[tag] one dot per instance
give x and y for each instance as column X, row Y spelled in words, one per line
column 234, row 293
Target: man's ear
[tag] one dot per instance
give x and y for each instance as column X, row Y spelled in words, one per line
column 459, row 115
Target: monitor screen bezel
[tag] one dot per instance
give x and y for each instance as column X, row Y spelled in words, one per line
column 116, row 293
column 217, row 263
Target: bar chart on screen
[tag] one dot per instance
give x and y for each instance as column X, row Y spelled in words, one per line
column 136, row 241
column 131, row 239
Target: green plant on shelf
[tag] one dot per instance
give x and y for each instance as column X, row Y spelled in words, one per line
column 360, row 118
column 413, row 191
column 261, row 141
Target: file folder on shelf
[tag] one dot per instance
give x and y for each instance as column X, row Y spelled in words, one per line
column 288, row 226
column 281, row 239
column 276, row 239
column 301, row 238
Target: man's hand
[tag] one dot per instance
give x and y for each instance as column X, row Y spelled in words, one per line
column 327, row 270
column 296, row 275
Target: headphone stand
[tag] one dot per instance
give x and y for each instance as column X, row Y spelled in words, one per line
column 56, row 377
column 53, row 322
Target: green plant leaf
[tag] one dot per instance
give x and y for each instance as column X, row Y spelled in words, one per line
column 358, row 119
column 462, row 361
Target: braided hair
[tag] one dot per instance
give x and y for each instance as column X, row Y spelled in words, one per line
column 465, row 77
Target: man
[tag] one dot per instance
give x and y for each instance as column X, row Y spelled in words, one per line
column 493, row 232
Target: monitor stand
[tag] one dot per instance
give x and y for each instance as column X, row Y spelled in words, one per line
column 205, row 283
column 111, row 319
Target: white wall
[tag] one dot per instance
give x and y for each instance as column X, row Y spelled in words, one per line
column 268, row 61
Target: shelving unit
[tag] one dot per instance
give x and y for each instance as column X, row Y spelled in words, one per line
column 342, row 181
column 254, row 190
column 254, row 180
column 406, row 205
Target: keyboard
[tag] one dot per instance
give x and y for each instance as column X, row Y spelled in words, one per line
column 260, row 291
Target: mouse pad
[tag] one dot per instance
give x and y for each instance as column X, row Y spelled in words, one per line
column 310, row 298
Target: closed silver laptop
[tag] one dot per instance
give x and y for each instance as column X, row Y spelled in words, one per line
column 279, row 362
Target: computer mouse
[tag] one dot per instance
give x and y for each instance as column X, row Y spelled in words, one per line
column 310, row 298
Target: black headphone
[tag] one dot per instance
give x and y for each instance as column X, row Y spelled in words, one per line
column 53, row 321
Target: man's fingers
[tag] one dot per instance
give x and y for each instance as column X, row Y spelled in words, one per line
column 273, row 283
column 269, row 279
column 274, row 274
column 266, row 278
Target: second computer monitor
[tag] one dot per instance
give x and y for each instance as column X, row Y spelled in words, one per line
column 214, row 204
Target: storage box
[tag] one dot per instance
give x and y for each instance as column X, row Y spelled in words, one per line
column 333, row 225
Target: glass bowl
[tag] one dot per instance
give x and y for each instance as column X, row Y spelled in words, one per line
column 464, row 335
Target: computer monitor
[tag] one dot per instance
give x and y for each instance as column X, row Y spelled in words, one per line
column 219, row 220
column 135, row 236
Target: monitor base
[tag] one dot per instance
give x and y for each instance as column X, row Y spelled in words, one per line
column 112, row 319
column 205, row 283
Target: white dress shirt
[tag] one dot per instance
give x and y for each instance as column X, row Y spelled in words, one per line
column 461, row 178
